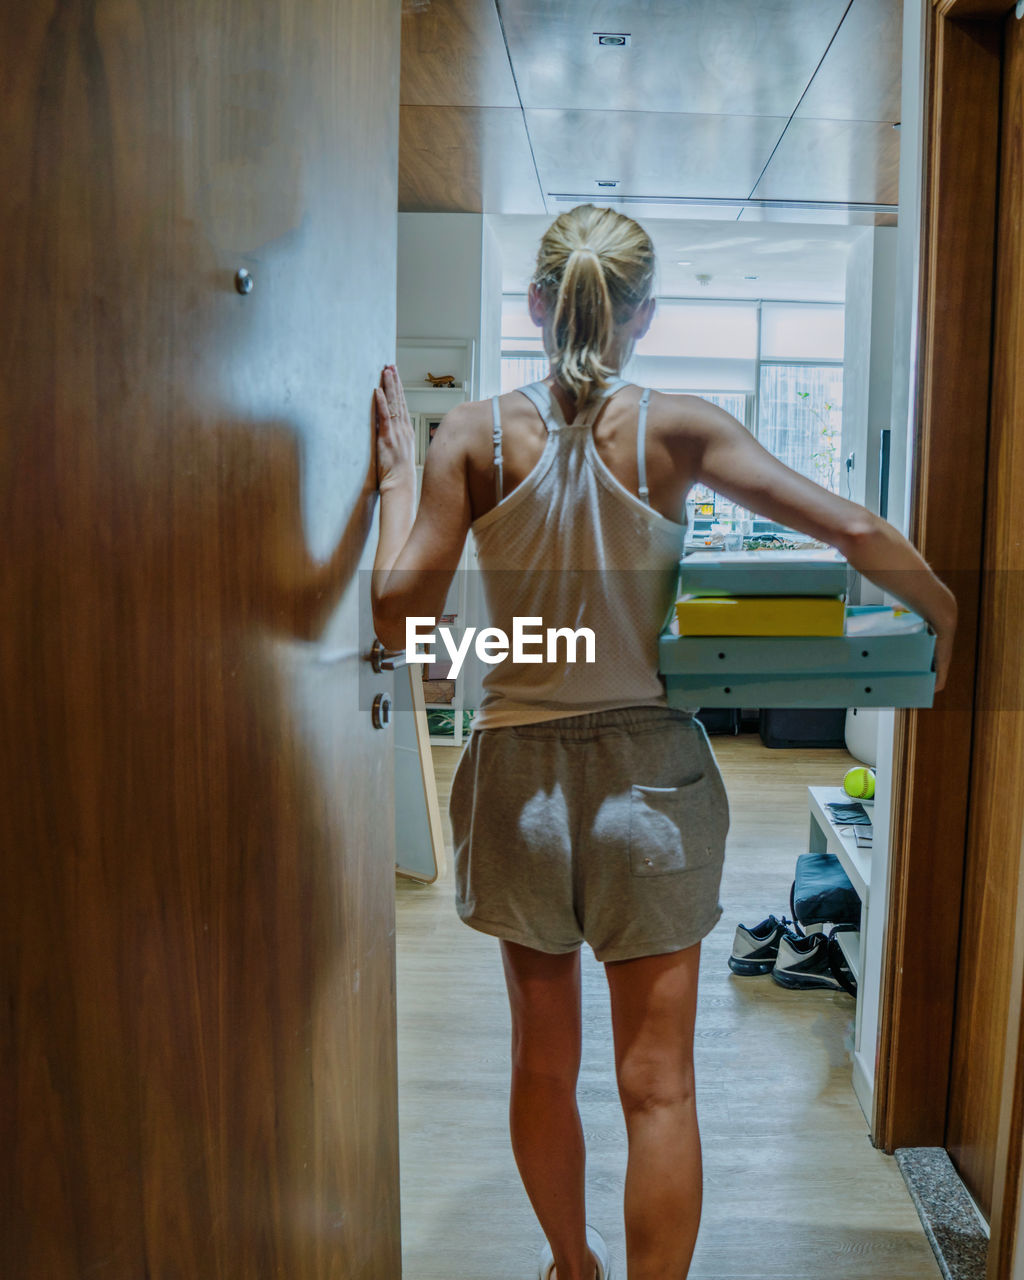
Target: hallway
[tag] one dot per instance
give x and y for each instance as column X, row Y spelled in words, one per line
column 792, row 1185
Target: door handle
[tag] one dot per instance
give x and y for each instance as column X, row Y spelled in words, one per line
column 382, row 659
column 380, row 712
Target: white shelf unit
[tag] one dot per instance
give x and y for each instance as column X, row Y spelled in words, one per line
column 416, row 357
column 827, row 836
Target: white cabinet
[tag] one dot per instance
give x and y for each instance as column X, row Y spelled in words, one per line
column 827, row 836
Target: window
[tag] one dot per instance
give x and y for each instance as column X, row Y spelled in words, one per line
column 732, row 402
column 519, row 370
column 800, row 387
column 800, row 418
column 776, row 366
column 522, row 349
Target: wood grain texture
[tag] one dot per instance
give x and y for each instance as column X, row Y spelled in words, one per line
column 930, row 822
column 454, row 55
column 993, row 9
column 466, row 160
column 859, row 77
column 1008, row 415
column 985, row 1021
column 196, row 925
column 793, row 1188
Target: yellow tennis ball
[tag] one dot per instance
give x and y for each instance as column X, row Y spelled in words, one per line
column 860, row 782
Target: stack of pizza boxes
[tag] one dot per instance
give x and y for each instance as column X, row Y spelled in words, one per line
column 766, row 628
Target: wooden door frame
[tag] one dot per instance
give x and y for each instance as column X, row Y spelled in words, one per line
column 963, row 61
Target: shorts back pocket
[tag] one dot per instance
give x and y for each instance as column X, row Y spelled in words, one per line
column 673, row 828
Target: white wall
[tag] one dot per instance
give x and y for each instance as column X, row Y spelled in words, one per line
column 908, row 251
column 883, row 318
column 449, row 286
column 867, row 369
column 868, row 357
column 491, row 271
column 898, row 259
column 439, row 265
column 857, row 365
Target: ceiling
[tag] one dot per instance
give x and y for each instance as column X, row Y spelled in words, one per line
column 796, row 263
column 511, row 107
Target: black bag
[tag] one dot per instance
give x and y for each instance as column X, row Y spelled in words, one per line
column 822, row 892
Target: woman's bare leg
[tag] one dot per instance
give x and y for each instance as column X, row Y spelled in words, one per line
column 547, row 1137
column 654, row 1002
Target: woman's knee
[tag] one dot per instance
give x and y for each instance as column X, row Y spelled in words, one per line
column 652, row 1082
column 545, row 1051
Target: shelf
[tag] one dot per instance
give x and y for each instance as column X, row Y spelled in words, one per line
column 855, row 862
column 849, row 945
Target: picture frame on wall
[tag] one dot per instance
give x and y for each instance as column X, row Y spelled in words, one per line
column 426, row 425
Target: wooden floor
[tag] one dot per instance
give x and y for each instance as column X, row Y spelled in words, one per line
column 793, row 1187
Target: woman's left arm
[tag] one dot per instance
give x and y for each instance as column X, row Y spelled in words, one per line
column 418, row 551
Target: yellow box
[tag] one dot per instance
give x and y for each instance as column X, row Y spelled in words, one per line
column 760, row 615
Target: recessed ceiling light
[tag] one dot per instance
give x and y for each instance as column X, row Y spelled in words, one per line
column 685, row 263
column 612, row 39
column 750, row 277
column 607, row 182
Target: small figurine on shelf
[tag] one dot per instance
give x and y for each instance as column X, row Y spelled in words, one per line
column 441, row 380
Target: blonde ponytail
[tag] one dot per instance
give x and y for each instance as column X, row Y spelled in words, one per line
column 595, row 267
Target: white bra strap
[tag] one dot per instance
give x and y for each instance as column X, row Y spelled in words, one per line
column 499, row 480
column 641, row 431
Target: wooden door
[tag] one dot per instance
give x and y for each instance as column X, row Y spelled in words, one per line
column 198, row 1040
column 985, row 1021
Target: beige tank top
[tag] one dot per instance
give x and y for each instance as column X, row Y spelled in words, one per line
column 572, row 546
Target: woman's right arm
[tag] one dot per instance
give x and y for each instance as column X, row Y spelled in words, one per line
column 728, row 459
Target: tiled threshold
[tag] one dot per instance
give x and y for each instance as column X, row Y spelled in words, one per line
column 955, row 1229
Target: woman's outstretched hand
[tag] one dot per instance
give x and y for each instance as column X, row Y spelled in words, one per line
column 396, row 439
column 944, row 629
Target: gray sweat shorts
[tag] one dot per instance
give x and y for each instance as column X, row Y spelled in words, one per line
column 607, row 828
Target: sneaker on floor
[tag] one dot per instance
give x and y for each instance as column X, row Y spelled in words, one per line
column 815, row 960
column 754, row 950
column 598, row 1248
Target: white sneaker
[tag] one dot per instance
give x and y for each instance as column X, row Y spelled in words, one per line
column 600, row 1250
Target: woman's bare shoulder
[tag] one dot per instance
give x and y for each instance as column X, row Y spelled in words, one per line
column 684, row 421
column 471, row 423
column 463, row 426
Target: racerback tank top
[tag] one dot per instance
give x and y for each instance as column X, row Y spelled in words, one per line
column 573, row 547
